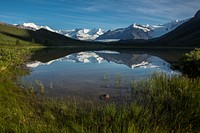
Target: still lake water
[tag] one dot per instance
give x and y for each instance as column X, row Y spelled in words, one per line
column 90, row 74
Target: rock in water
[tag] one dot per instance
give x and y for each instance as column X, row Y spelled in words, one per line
column 105, row 97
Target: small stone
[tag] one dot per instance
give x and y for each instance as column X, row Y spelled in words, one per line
column 106, row 96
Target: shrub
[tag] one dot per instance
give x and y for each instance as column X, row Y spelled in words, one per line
column 190, row 63
column 17, row 42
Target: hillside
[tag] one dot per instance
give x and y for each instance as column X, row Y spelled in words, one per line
column 10, row 35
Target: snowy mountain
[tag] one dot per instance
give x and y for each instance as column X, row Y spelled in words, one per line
column 134, row 31
column 32, row 26
column 137, row 31
column 82, row 34
column 159, row 30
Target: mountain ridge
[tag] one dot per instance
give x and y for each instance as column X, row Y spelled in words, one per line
column 137, row 31
column 134, row 31
column 185, row 35
column 197, row 15
column 82, row 33
column 33, row 26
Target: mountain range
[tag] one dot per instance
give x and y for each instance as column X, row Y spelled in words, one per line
column 137, row 31
column 79, row 33
column 134, row 31
column 82, row 34
column 187, row 34
column 174, row 34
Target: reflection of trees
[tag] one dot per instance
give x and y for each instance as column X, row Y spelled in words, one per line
column 48, row 54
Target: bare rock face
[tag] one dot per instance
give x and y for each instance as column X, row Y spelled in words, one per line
column 197, row 15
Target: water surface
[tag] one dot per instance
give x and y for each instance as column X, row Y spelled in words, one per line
column 90, row 74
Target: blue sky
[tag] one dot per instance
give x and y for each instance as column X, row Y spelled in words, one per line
column 105, row 14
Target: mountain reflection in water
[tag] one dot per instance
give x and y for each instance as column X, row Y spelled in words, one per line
column 82, row 74
column 130, row 60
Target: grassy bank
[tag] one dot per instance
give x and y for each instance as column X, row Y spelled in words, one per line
column 162, row 104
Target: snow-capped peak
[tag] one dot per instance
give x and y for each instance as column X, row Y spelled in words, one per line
column 33, row 26
column 138, row 31
column 145, row 28
column 162, row 29
column 134, row 31
column 82, row 34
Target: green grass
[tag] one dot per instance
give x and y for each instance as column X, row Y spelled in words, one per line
column 11, row 36
column 161, row 104
column 164, row 107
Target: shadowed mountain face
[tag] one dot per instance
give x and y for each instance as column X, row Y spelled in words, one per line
column 53, row 39
column 187, row 34
column 197, row 15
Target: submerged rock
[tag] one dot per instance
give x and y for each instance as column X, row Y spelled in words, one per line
column 105, row 97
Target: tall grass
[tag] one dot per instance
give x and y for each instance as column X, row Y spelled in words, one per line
column 165, row 105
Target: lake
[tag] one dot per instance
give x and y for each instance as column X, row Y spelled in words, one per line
column 89, row 74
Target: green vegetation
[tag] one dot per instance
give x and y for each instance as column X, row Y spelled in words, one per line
column 190, row 63
column 9, row 36
column 118, row 81
column 161, row 104
column 10, row 58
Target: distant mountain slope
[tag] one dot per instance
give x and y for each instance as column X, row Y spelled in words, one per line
column 159, row 30
column 132, row 32
column 187, row 34
column 49, row 38
column 137, row 31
